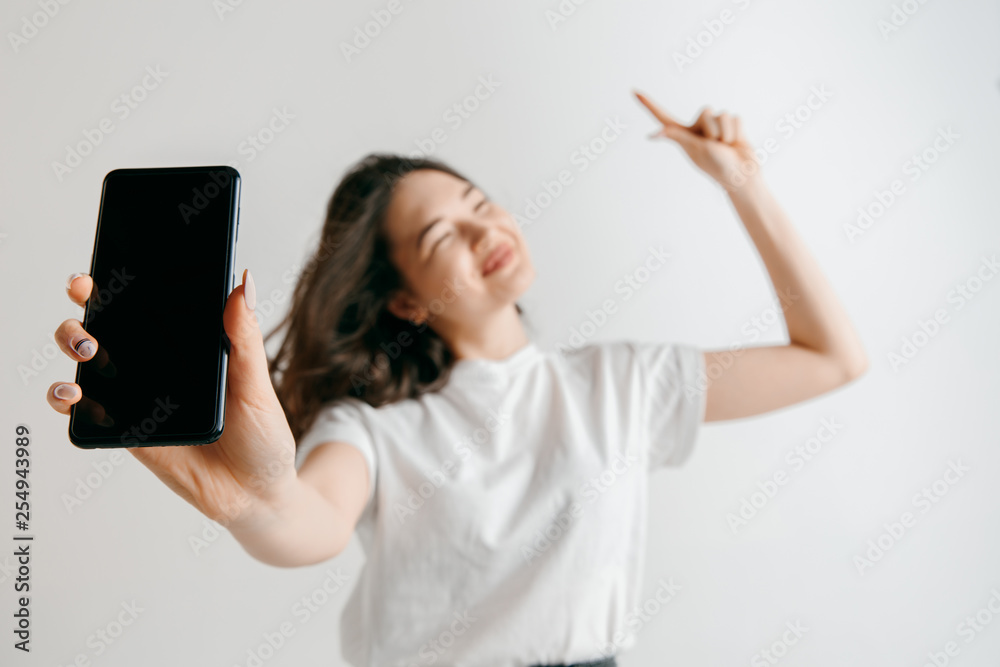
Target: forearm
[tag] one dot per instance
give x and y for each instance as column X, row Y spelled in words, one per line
column 813, row 314
column 299, row 527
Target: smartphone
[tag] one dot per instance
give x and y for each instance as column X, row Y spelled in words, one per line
column 162, row 269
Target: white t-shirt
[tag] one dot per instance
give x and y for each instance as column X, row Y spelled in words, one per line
column 507, row 521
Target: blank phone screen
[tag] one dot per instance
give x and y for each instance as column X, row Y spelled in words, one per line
column 162, row 270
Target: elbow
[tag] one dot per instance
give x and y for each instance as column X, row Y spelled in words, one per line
column 292, row 561
column 855, row 367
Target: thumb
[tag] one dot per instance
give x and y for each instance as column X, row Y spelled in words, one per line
column 248, row 372
column 681, row 135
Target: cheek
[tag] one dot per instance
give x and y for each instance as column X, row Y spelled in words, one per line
column 453, row 262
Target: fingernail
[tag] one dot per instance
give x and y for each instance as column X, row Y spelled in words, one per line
column 84, row 347
column 65, row 391
column 249, row 291
column 69, row 281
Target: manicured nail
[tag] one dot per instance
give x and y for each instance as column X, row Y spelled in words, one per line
column 249, row 291
column 84, row 347
column 65, row 391
column 69, row 281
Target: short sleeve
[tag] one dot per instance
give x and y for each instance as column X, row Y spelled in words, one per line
column 673, row 381
column 342, row 422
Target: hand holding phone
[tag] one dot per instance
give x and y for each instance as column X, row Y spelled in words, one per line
column 252, row 462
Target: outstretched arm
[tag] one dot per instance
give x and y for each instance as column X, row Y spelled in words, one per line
column 825, row 351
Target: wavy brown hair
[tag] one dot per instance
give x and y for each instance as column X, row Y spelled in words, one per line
column 342, row 341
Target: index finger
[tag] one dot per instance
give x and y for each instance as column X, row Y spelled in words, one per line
column 660, row 114
column 79, row 286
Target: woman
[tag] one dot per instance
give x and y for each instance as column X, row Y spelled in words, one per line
column 498, row 491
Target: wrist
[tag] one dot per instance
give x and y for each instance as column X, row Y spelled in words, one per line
column 260, row 509
column 748, row 189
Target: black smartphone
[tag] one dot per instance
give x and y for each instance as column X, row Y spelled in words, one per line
column 162, row 269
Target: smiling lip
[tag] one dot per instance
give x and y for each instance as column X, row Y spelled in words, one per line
column 497, row 259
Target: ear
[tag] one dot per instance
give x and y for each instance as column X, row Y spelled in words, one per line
column 402, row 306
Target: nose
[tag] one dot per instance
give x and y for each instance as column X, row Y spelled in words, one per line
column 482, row 236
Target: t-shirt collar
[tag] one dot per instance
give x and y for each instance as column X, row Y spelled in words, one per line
column 495, row 370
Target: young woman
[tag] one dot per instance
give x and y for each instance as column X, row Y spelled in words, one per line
column 499, row 491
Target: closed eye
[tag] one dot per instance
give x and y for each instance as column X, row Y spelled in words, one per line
column 485, row 203
column 438, row 242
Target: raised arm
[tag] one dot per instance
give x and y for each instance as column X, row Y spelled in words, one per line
column 824, row 351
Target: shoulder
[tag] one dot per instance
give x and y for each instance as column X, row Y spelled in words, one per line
column 373, row 419
column 346, row 407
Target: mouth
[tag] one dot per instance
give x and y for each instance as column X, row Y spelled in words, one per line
column 499, row 258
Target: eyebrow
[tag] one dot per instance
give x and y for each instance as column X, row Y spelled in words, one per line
column 427, row 228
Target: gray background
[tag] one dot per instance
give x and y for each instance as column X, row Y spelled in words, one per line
column 130, row 540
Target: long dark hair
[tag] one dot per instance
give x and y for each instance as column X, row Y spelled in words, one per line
column 342, row 340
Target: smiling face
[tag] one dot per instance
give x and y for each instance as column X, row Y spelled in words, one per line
column 445, row 236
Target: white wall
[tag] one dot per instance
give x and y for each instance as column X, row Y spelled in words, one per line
column 794, row 561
